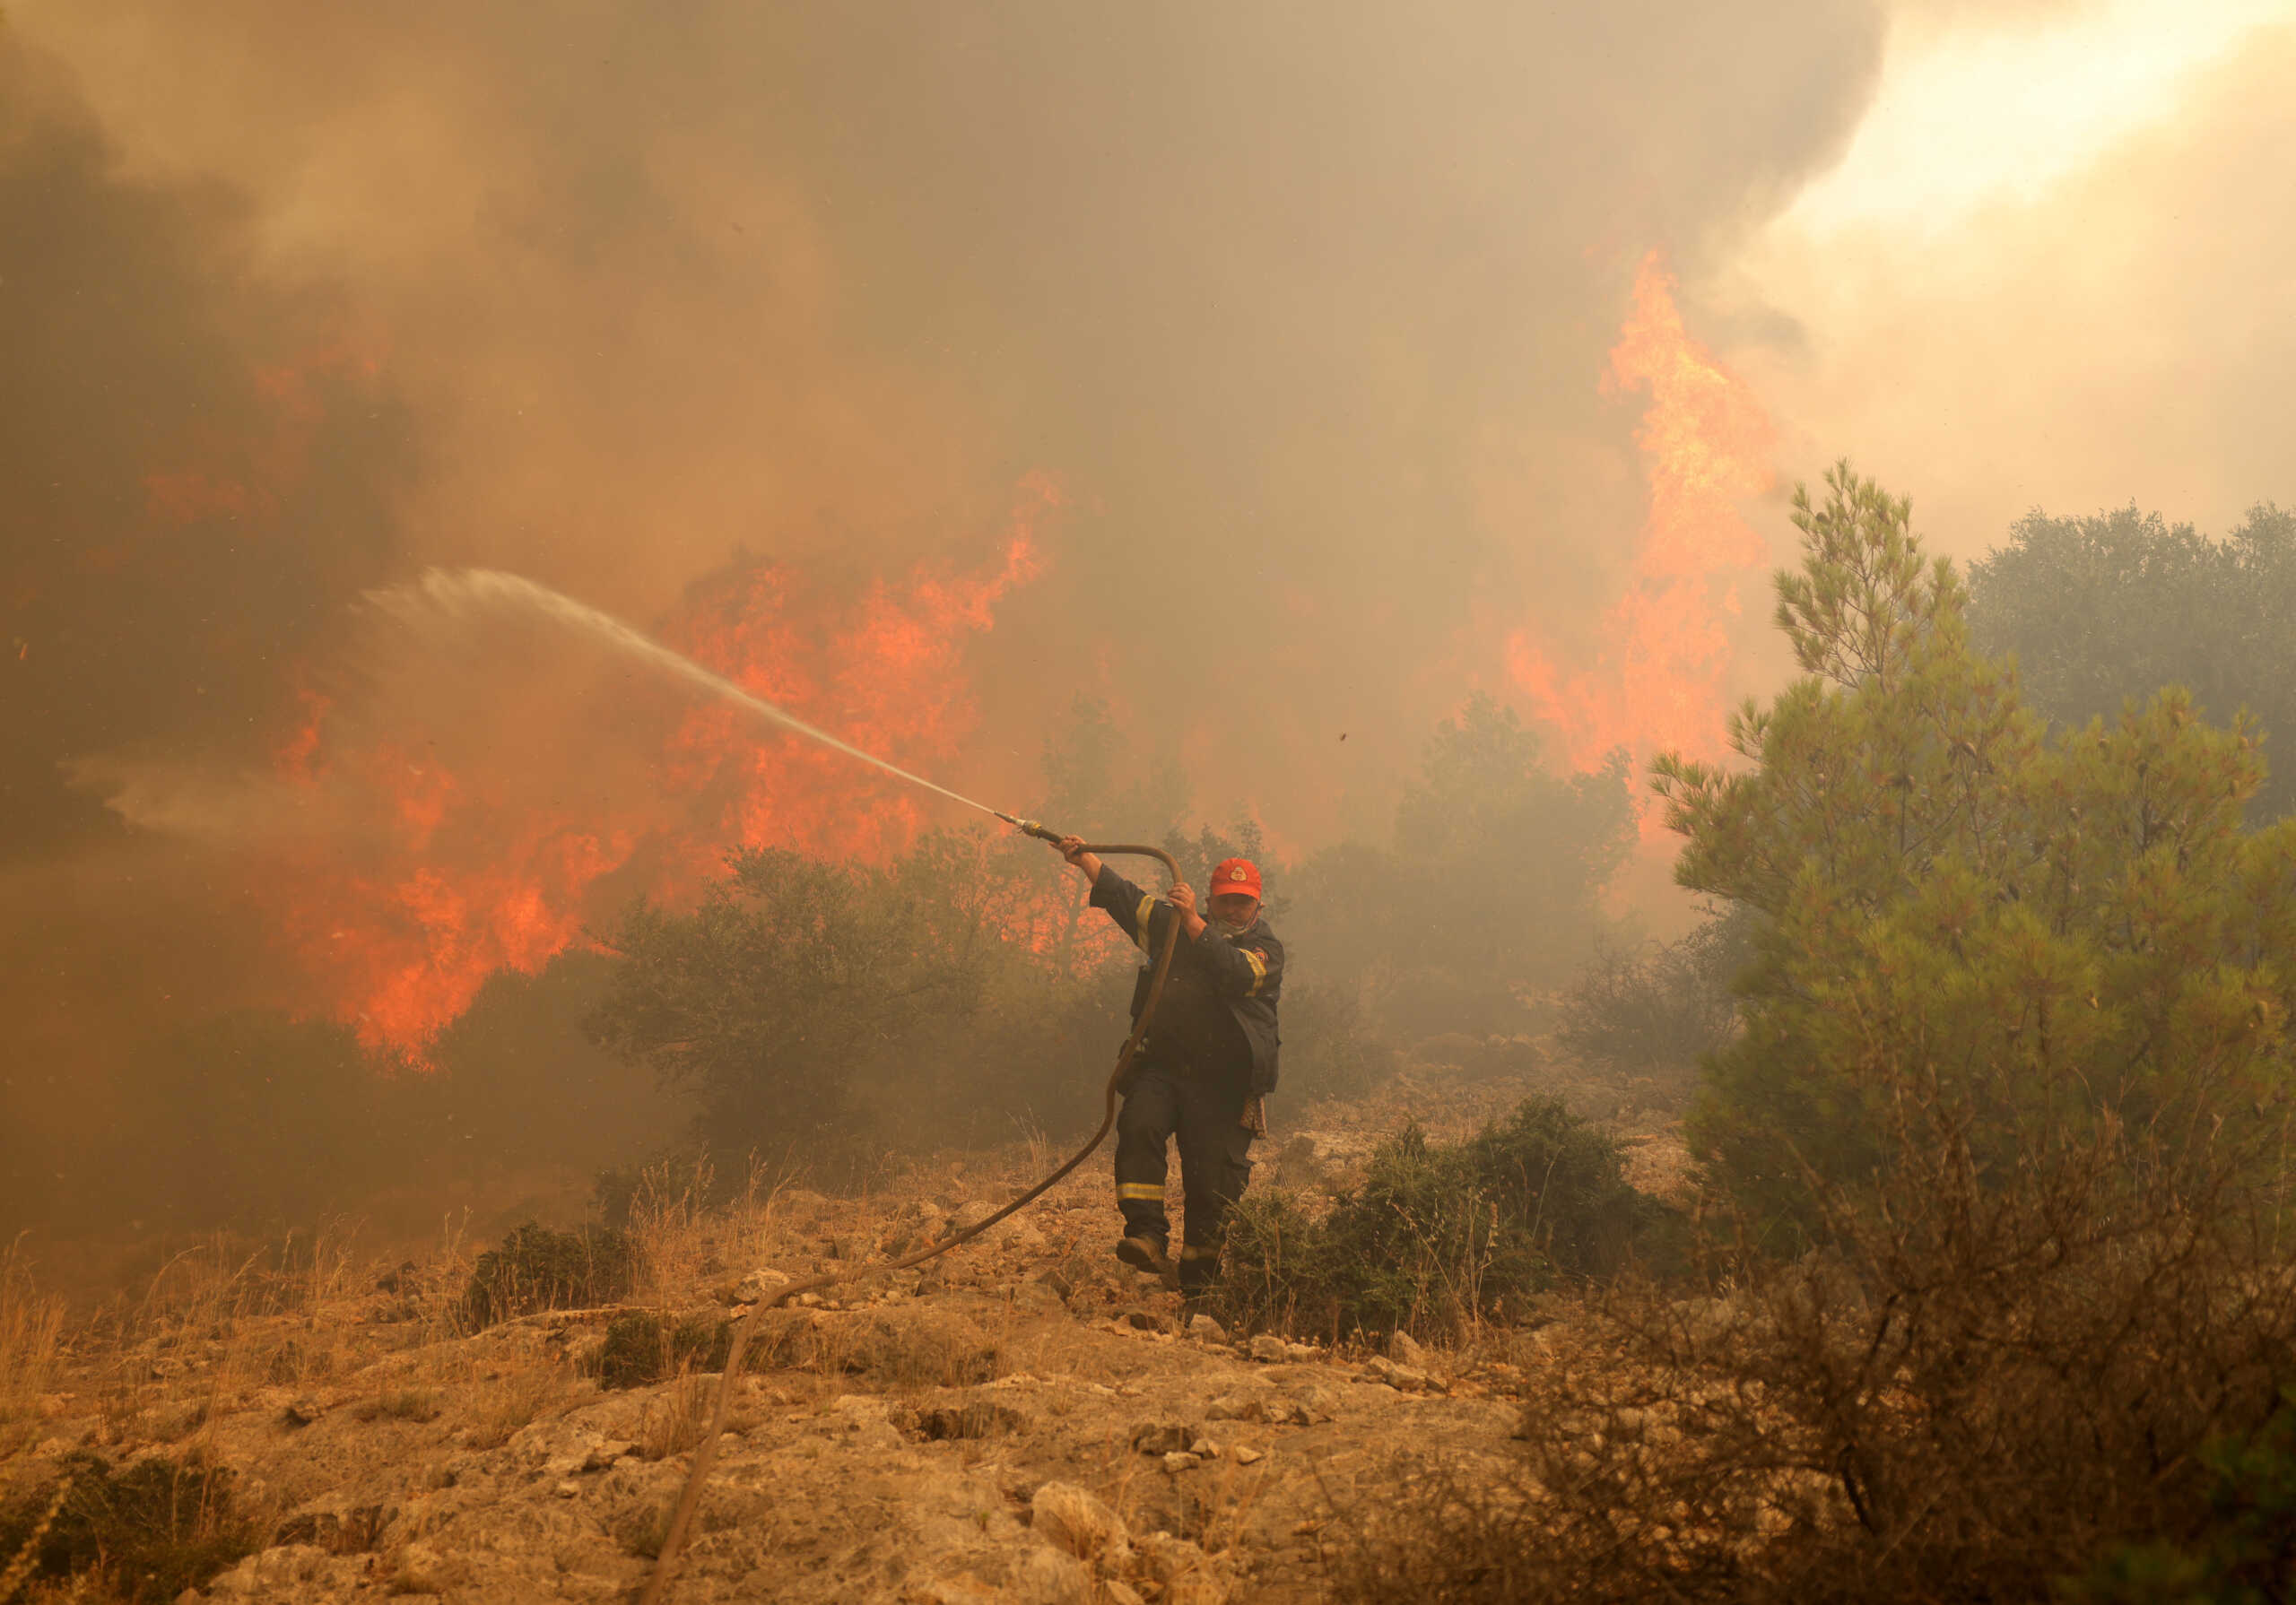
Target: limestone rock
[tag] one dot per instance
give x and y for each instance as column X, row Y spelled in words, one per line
column 1406, row 1379
column 971, row 1214
column 1163, row 1438
column 759, row 1285
column 1266, row 1348
column 1404, row 1350
column 1204, row 1329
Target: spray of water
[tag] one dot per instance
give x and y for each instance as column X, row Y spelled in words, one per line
column 461, row 593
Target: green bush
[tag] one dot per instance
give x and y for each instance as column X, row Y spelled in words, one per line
column 1440, row 1234
column 2104, row 610
column 158, row 1527
column 642, row 1347
column 2243, row 1550
column 537, row 1268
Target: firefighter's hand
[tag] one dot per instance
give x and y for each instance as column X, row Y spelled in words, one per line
column 1255, row 1120
column 1181, row 897
column 1071, row 848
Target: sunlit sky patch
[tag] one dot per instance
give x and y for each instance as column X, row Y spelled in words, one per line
column 1973, row 112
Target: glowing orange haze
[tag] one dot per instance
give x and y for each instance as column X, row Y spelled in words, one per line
column 472, row 884
column 1706, row 440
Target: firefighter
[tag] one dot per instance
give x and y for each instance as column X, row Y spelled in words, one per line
column 1207, row 1066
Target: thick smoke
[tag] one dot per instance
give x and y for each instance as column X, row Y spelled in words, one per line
column 1305, row 311
column 198, row 470
column 1305, row 306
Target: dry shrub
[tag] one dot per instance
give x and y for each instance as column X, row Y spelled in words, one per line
column 400, row 1404
column 535, row 1268
column 152, row 1529
column 1661, row 1007
column 1985, row 1385
column 642, row 1347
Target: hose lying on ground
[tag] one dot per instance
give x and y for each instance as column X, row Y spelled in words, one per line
column 705, row 1453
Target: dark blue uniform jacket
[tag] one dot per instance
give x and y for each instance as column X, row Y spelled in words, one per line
column 1217, row 1016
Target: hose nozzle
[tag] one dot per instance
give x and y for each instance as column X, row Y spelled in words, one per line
column 1031, row 827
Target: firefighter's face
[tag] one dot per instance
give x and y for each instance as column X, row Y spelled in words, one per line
column 1235, row 909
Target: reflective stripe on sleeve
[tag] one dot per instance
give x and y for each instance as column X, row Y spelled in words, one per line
column 1133, row 1192
column 1259, row 969
column 1147, row 907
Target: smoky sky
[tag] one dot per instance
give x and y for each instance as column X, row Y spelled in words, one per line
column 1304, row 308
column 162, row 568
column 2124, row 336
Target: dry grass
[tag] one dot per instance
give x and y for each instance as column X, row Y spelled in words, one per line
column 497, row 1406
column 678, row 1418
column 674, row 1236
column 31, row 1348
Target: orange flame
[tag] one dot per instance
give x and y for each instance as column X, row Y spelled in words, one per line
column 470, row 885
column 1706, row 444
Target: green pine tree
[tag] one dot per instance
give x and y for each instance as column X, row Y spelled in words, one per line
column 1969, row 929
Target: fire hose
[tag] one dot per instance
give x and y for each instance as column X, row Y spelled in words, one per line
column 705, row 1453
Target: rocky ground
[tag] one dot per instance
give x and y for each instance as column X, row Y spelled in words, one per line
column 1023, row 1420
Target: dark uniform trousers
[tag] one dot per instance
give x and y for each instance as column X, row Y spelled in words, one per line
column 1206, row 1113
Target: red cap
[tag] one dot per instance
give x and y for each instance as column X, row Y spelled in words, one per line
column 1235, row 875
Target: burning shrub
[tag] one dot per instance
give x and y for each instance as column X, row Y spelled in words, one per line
column 1441, row 1234
column 537, row 1268
column 154, row 1529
